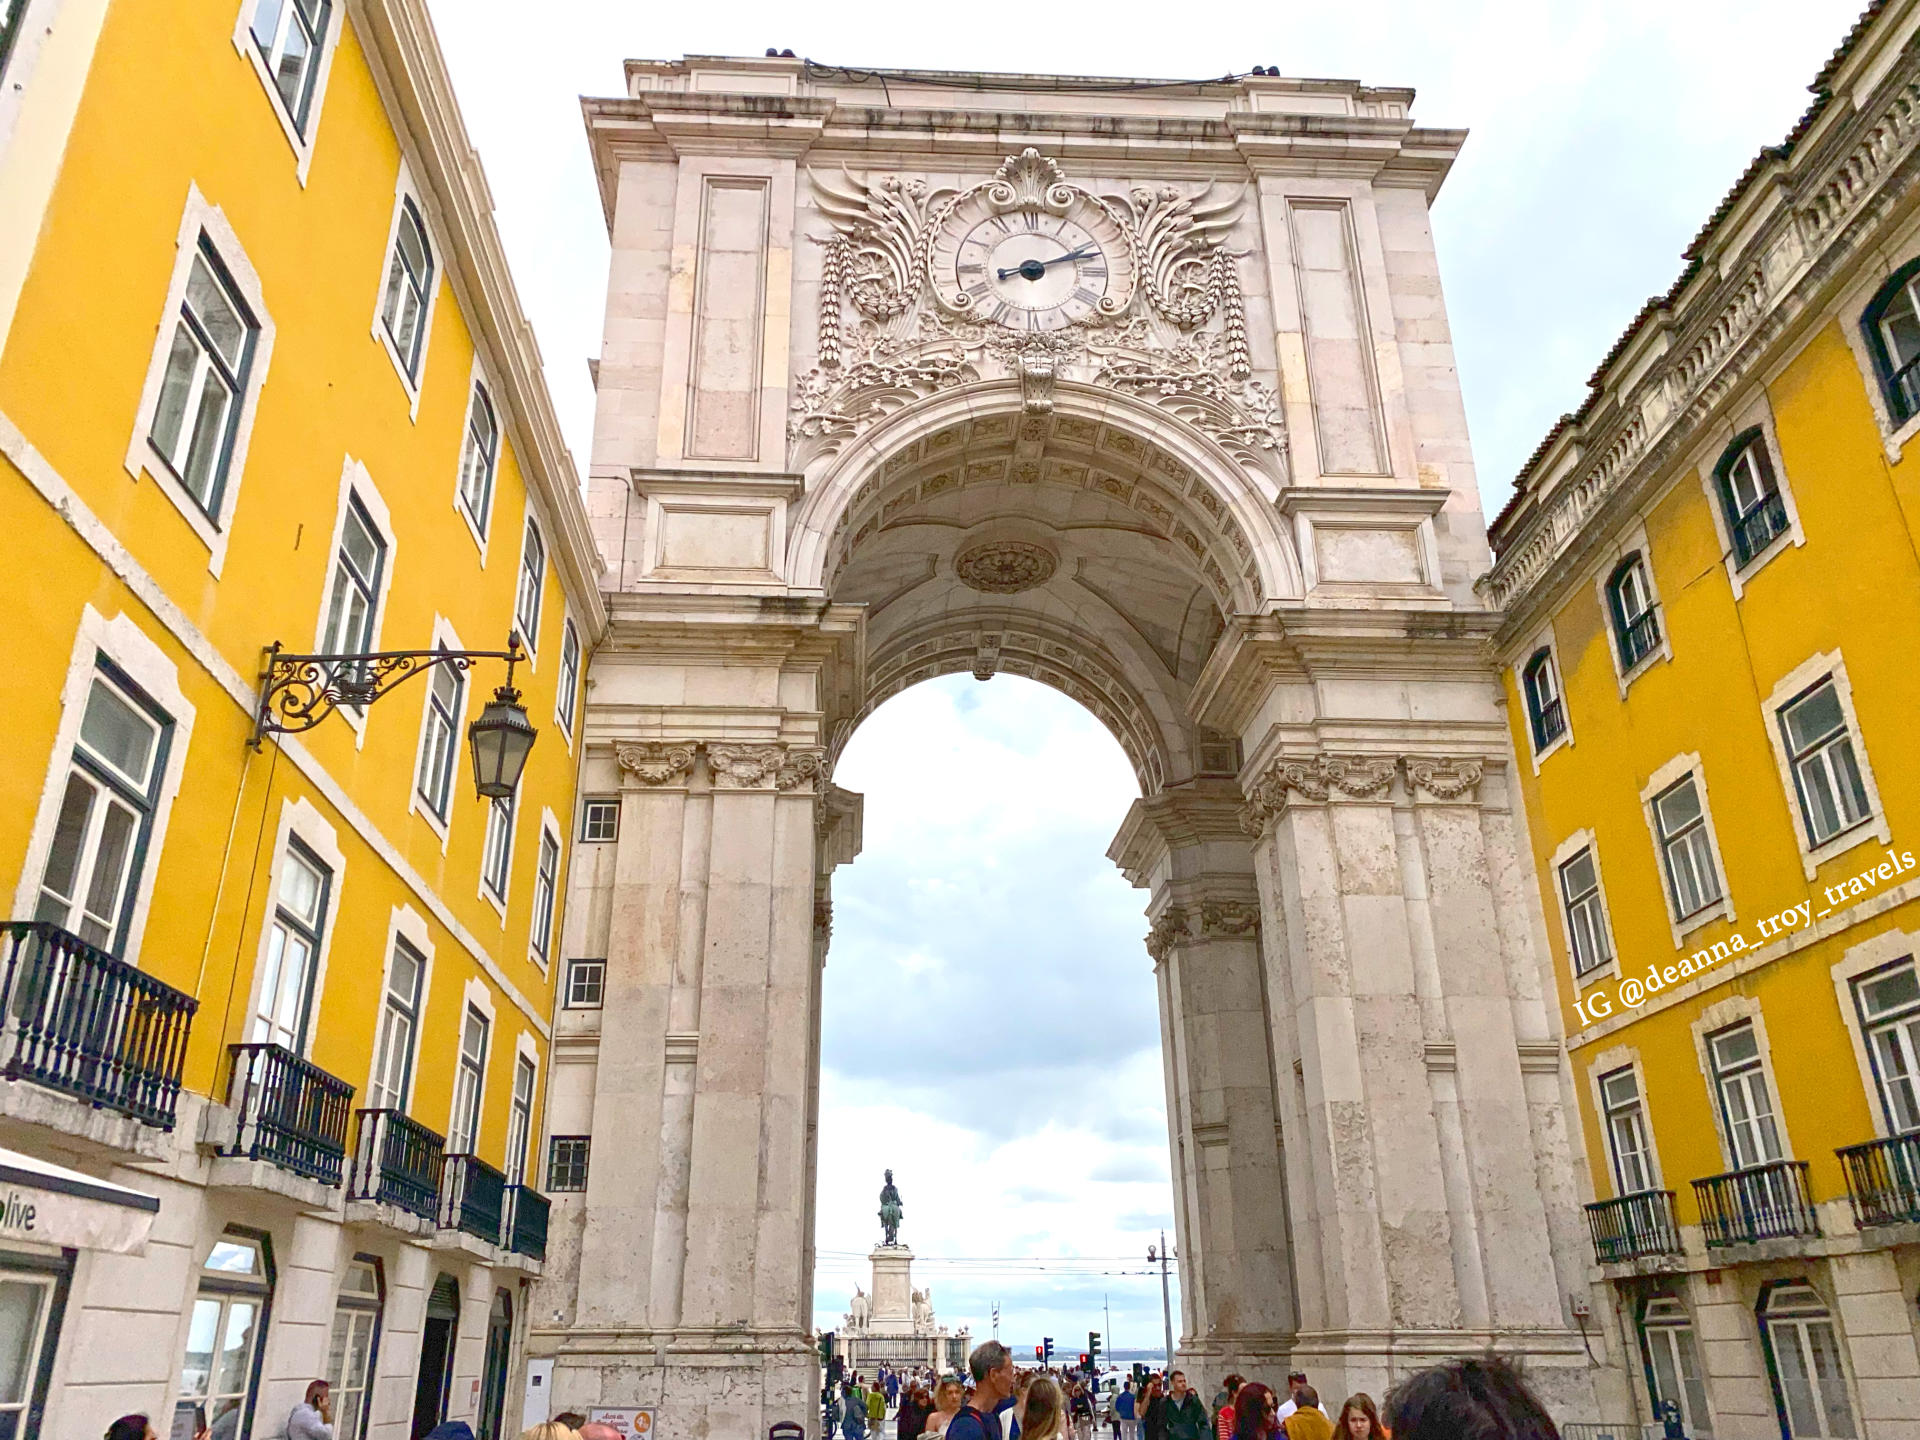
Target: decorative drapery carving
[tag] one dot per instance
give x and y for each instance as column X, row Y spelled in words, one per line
column 655, row 762
column 744, row 767
column 1167, row 931
column 1215, row 920
column 1319, row 778
column 1444, row 778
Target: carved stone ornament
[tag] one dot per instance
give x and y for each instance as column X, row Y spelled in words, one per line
column 1168, row 930
column 1228, row 919
column 1443, row 778
column 1317, row 778
column 823, row 920
column 744, row 767
column 801, row 768
column 655, row 762
column 1004, row 567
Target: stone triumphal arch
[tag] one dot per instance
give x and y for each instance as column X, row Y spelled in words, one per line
column 1144, row 391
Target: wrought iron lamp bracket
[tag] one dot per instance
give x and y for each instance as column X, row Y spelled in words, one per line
column 297, row 692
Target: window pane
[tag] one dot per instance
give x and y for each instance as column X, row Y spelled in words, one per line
column 20, row 1304
column 1816, row 716
column 1827, row 1374
column 1677, row 807
column 300, row 888
column 113, row 856
column 176, row 387
column 290, row 70
column 1892, row 1055
column 403, row 979
column 1891, row 992
column 1795, row 1382
column 219, row 318
column 266, row 22
column 118, row 734
column 1901, row 330
column 209, row 435
column 1733, row 1047
column 197, row 1368
column 234, row 1257
column 63, row 859
column 236, row 1349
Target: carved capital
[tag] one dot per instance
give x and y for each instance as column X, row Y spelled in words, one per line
column 1315, row 778
column 1360, row 777
column 1167, row 931
column 655, row 762
column 823, row 920
column 1228, row 919
column 1439, row 778
column 745, row 767
column 801, row 768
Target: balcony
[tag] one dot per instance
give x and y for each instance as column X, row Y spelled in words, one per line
column 83, row 1023
column 290, row 1112
column 397, row 1162
column 1639, row 638
column 472, row 1198
column 1762, row 1202
column 1759, row 527
column 1634, row 1227
column 1883, row 1180
column 525, row 1231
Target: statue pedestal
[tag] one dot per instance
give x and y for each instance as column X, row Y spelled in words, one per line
column 892, row 1290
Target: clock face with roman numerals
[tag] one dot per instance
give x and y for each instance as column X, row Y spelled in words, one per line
column 1032, row 269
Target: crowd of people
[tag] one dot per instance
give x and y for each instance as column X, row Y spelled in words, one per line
column 1472, row 1399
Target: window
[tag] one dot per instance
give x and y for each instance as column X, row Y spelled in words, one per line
column 355, row 594
column 1892, row 325
column 1810, row 1388
column 1586, row 919
column 399, row 1024
column 569, row 692
column 1545, row 710
column 293, row 944
column 1636, row 628
column 1685, row 849
column 355, row 1347
column 1745, row 1104
column 496, row 860
column 33, row 1301
column 1889, row 1004
column 106, row 813
column 585, row 979
column 520, row 1121
column 1626, row 1125
column 546, row 878
column 1756, row 515
column 468, row 1084
column 199, row 407
column 479, row 458
column 599, row 820
column 290, row 34
column 567, row 1162
column 1825, row 773
column 440, row 742
column 1673, row 1368
column 533, row 572
column 403, row 305
column 12, row 12
column 221, row 1368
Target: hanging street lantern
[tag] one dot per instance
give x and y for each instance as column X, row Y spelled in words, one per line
column 501, row 740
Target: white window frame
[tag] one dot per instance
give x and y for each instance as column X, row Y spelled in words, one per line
column 1715, row 1019
column 1643, row 1123
column 1665, row 778
column 123, row 642
column 197, row 219
column 1788, row 1315
column 1632, row 541
column 444, row 637
column 586, row 803
column 526, row 1054
column 480, row 528
column 1700, row 1424
column 1796, row 682
column 549, row 831
column 1543, row 640
column 299, row 820
column 474, row 997
column 244, row 42
column 499, row 901
column 567, row 1001
column 1757, row 413
column 403, row 924
column 358, row 1306
column 405, row 190
column 357, row 483
column 531, row 523
column 1568, row 849
column 567, row 715
column 1850, row 311
column 1881, row 952
column 1608, row 1062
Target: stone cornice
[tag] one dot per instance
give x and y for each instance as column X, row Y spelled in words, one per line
column 1196, row 813
column 1752, row 289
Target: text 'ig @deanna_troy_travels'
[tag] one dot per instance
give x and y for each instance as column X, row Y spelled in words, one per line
column 1634, row 991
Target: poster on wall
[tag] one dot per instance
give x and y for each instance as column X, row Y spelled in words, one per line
column 631, row 1424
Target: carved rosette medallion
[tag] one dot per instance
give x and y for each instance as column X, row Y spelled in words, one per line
column 1005, row 567
column 655, row 762
column 1441, row 778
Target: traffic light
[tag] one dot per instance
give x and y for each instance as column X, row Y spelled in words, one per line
column 1083, row 1359
column 1047, row 1353
column 1093, row 1348
column 1038, row 1354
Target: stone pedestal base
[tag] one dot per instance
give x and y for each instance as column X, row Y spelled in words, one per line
column 701, row 1386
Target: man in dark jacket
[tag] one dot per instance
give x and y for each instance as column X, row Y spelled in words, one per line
column 1186, row 1412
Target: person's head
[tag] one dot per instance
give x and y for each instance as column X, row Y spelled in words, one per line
column 597, row 1430
column 131, row 1427
column 572, row 1419
column 1296, row 1382
column 1467, row 1398
column 1126, row 1384
column 1307, row 1398
column 1359, row 1419
column 991, row 1366
column 1253, row 1410
column 1177, row 1383
column 1041, row 1420
column 1232, row 1385
column 316, row 1392
column 547, row 1430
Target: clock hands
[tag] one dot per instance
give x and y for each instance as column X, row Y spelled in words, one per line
column 1034, row 269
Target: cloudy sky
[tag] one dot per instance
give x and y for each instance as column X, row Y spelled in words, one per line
column 990, row 1024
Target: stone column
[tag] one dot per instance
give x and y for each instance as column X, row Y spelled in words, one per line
column 1230, row 1211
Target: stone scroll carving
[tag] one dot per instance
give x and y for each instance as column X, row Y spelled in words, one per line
column 782, row 767
column 1172, row 329
column 653, row 762
column 1215, row 920
column 1322, row 778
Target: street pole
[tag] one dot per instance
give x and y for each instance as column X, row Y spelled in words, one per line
column 1166, row 1305
column 1107, row 1306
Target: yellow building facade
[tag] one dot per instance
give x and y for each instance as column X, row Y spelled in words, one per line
column 1711, row 586
column 278, row 1014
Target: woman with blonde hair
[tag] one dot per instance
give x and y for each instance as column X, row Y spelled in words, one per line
column 947, row 1398
column 549, row 1430
column 1044, row 1417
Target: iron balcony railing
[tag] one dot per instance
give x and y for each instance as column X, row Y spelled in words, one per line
column 81, row 1022
column 1883, row 1180
column 290, row 1112
column 525, row 1230
column 1762, row 1202
column 1906, row 389
column 1550, row 724
column 1639, row 637
column 1634, row 1227
column 472, row 1197
column 397, row 1161
column 1759, row 527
